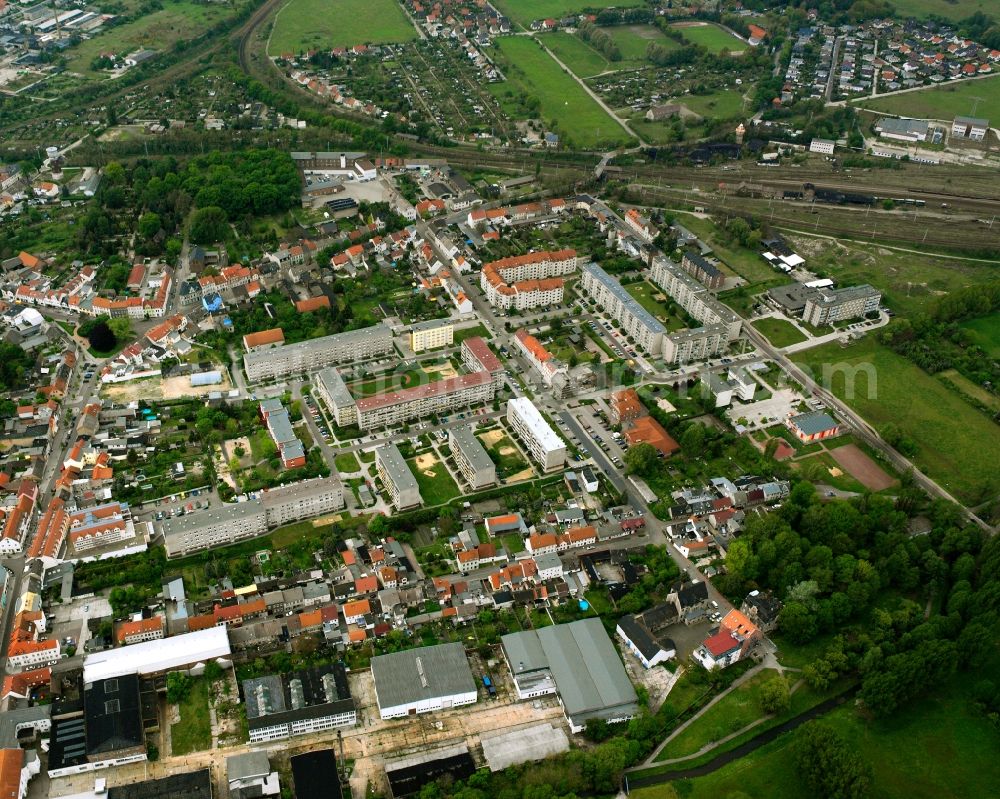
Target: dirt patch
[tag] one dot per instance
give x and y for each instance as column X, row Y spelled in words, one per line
column 491, row 438
column 150, row 388
column 229, row 450
column 689, row 24
column 862, row 468
column 835, row 472
column 507, row 451
column 425, row 462
column 444, row 369
column 179, row 387
column 524, row 474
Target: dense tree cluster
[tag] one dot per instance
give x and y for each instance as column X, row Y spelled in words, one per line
column 827, row 763
column 600, row 40
column 15, row 365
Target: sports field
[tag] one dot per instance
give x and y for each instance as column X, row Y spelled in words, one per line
column 531, row 72
column 944, row 102
column 711, row 37
column 523, row 12
column 157, row 31
column 323, row 24
column 944, row 427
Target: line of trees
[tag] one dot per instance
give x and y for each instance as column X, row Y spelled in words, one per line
column 600, row 40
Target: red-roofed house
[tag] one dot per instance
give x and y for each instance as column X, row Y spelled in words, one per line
column 132, row 632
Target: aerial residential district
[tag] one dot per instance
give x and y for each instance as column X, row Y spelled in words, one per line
column 499, row 400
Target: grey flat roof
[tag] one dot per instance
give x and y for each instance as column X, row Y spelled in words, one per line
column 402, row 678
column 322, row 344
column 389, row 456
column 586, row 668
column 509, row 747
column 471, row 447
column 431, row 324
column 194, row 521
column 303, row 489
column 630, row 302
column 335, row 387
column 814, row 422
column 976, row 122
column 10, row 720
column 246, row 765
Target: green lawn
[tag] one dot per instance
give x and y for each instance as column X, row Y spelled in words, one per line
column 509, row 463
column 436, row 488
column 745, row 262
column 193, row 733
column 712, row 38
column 940, row 746
column 945, row 428
column 723, row 104
column 564, row 105
column 954, row 10
column 633, row 40
column 986, row 333
column 346, row 462
column 524, row 12
column 970, row 389
column 177, row 20
column 575, row 53
column 779, row 332
column 942, row 102
column 731, row 713
column 645, row 294
column 323, row 24
column 471, row 332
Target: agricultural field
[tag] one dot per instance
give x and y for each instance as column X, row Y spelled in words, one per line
column 779, row 332
column 176, row 21
column 944, row 427
column 986, row 333
column 634, row 40
column 579, row 56
column 917, row 736
column 711, row 37
column 563, row 103
column 942, row 102
column 524, row 12
column 305, row 24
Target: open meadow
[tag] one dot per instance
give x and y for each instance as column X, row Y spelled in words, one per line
column 323, row 24
column 711, row 37
column 523, row 12
column 634, row 40
column 563, row 102
column 949, row 9
column 942, row 102
column 160, row 30
column 944, row 426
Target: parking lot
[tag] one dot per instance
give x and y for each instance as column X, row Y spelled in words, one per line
column 69, row 622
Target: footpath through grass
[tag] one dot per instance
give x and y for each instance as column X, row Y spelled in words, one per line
column 886, row 388
column 564, row 105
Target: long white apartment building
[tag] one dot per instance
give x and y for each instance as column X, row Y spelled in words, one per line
column 397, row 478
column 471, row 457
column 636, row 321
column 333, row 392
column 721, row 325
column 318, row 353
column 536, row 434
column 238, row 521
column 441, row 396
column 527, row 281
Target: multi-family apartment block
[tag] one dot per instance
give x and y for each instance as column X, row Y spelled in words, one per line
column 279, row 425
column 535, row 433
column 636, row 321
column 318, row 353
column 833, row 305
column 478, row 357
column 333, row 391
column 420, row 401
column 471, row 457
column 241, row 520
column 703, row 270
column 527, row 281
column 134, row 632
column 431, row 335
column 397, row 477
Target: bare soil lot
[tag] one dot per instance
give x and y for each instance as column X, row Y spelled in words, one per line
column 862, row 468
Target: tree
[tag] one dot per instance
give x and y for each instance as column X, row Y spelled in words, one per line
column 827, row 764
column 208, row 225
column 178, row 687
column 774, row 696
column 149, row 225
column 101, row 337
column 797, row 622
column 122, row 328
column 693, row 438
column 642, row 459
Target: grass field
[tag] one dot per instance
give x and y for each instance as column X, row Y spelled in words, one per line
column 725, row 104
column 938, row 746
column 986, row 333
column 779, row 332
column 944, row 427
column 470, row 332
column 346, row 462
column 731, row 713
column 745, row 262
column 322, row 24
column 579, row 56
column 633, row 40
column 564, row 103
column 970, row 389
column 193, row 733
column 523, row 12
column 157, row 31
column 436, row 489
column 645, row 294
column 949, row 9
column 712, row 38
column 942, row 102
